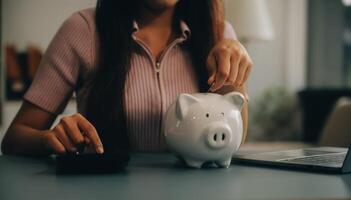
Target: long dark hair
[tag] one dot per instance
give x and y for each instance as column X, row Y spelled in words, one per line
column 114, row 22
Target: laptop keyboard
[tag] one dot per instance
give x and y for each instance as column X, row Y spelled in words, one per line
column 326, row 159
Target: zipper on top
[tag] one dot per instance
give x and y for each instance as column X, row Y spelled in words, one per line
column 157, row 63
column 158, row 66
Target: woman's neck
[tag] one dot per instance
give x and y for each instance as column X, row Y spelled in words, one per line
column 156, row 28
column 158, row 19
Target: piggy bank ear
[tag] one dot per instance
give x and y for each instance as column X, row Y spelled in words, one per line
column 183, row 104
column 235, row 98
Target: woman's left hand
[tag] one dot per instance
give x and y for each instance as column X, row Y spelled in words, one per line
column 228, row 64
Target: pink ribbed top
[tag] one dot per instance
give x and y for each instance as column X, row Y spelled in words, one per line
column 150, row 88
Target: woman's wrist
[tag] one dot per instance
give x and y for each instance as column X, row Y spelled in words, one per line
column 43, row 141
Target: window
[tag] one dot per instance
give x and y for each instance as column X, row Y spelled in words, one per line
column 329, row 59
column 347, row 43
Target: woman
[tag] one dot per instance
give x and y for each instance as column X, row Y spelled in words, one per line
column 126, row 61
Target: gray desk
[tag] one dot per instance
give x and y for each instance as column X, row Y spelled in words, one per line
column 157, row 177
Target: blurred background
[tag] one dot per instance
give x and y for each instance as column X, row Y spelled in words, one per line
column 301, row 50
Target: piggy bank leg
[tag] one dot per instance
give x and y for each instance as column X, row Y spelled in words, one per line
column 193, row 163
column 224, row 163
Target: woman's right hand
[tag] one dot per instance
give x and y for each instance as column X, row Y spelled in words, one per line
column 72, row 134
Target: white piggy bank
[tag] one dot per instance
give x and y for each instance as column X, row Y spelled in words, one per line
column 205, row 127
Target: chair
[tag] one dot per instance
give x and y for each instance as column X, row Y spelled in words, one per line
column 337, row 129
column 316, row 105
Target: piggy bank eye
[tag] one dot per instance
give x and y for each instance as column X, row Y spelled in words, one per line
column 222, row 114
column 207, row 115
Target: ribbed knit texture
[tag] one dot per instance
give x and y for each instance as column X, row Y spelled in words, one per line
column 72, row 55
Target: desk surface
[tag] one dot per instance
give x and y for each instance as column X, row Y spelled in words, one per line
column 156, row 176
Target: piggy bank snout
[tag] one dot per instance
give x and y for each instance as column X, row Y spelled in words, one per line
column 218, row 135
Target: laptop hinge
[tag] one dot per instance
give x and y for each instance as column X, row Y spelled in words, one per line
column 346, row 167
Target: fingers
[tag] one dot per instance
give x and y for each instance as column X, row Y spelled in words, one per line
column 212, row 68
column 223, row 69
column 230, row 63
column 244, row 71
column 61, row 135
column 53, row 143
column 248, row 72
column 241, row 74
column 87, row 141
column 234, row 68
column 89, row 130
column 72, row 132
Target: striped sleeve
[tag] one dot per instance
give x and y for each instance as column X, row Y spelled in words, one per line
column 57, row 75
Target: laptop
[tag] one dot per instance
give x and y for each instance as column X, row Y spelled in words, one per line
column 324, row 159
column 321, row 159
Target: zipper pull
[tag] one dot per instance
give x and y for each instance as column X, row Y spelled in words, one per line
column 158, row 66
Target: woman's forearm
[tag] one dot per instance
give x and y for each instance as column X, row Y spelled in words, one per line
column 24, row 140
column 27, row 131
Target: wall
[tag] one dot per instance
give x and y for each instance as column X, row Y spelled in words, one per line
column 326, row 48
column 36, row 21
column 280, row 62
